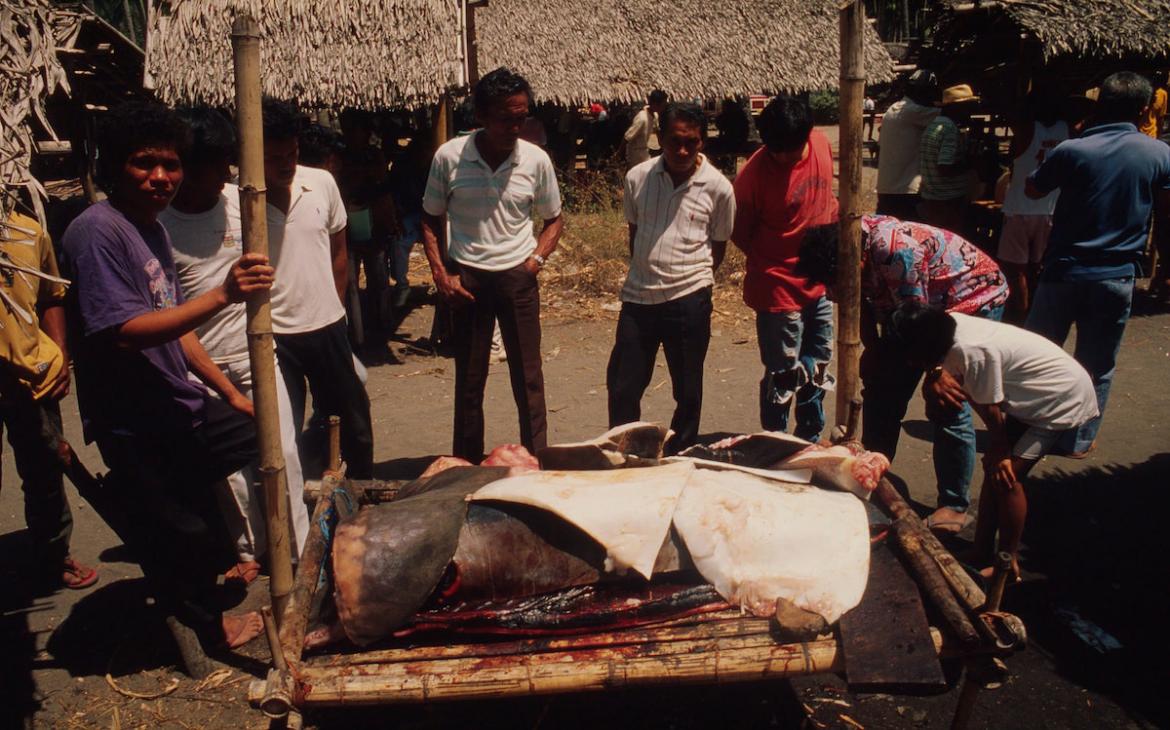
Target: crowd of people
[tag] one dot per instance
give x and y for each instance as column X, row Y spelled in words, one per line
column 154, row 320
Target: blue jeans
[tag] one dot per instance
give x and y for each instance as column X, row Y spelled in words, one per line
column 1100, row 310
column 795, row 348
column 888, row 385
column 400, row 249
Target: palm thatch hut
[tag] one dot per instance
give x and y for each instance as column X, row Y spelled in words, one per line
column 1001, row 45
column 618, row 50
column 367, row 54
column 404, row 53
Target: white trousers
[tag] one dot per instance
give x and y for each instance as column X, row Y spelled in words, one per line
column 240, row 497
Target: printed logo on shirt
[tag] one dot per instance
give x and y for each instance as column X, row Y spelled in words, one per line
column 230, row 239
column 160, row 288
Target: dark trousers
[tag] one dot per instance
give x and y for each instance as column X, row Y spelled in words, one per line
column 34, row 430
column 903, row 206
column 683, row 328
column 324, row 359
column 512, row 298
column 164, row 482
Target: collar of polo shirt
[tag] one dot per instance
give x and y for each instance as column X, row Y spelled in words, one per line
column 472, row 153
column 698, row 177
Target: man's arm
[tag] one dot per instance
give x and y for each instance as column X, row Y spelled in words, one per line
column 718, row 252
column 1048, row 176
column 546, row 242
column 53, row 324
column 339, row 253
column 207, row 371
column 251, row 273
column 997, row 459
column 434, row 246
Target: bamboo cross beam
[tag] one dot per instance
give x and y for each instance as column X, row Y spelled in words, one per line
column 261, row 345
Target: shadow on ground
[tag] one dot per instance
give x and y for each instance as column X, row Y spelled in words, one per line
column 1099, row 538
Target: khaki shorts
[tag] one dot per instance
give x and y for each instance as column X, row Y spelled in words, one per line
column 1024, row 238
column 1030, row 443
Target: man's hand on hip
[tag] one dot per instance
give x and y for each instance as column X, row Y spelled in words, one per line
column 531, row 265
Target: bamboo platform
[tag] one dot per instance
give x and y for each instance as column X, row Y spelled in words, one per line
column 713, row 648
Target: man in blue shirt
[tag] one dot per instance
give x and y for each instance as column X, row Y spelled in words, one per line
column 1110, row 180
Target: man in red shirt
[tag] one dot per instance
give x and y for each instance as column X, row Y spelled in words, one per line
column 783, row 190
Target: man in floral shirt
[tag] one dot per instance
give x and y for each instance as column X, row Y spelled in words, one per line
column 905, row 261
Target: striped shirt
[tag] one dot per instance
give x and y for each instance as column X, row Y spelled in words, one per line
column 490, row 211
column 942, row 144
column 676, row 225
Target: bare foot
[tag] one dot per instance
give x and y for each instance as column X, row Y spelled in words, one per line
column 240, row 628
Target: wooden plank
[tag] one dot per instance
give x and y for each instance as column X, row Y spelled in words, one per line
column 670, row 663
column 886, row 640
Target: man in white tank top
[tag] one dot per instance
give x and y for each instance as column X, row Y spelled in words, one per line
column 1027, row 222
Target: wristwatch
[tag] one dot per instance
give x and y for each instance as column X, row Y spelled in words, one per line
column 538, row 259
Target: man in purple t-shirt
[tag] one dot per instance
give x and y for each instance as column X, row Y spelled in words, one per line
column 166, row 439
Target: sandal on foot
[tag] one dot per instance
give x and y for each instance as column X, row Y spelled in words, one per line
column 243, row 572
column 948, row 526
column 76, row 576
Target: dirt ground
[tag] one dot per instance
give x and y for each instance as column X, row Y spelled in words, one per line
column 1094, row 596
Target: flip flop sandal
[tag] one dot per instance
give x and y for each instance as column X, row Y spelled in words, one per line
column 76, row 576
column 949, row 527
column 244, row 573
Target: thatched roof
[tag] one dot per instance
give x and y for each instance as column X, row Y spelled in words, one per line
column 621, row 49
column 360, row 53
column 30, row 72
column 1085, row 28
column 386, row 53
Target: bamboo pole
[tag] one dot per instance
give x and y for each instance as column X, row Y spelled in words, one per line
column 733, row 631
column 848, row 289
column 261, row 354
column 317, row 549
column 661, row 664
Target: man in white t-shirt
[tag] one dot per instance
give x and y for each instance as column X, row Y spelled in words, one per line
column 680, row 210
column 1027, row 221
column 306, row 234
column 487, row 185
column 900, row 137
column 637, row 138
column 1026, row 389
column 203, row 221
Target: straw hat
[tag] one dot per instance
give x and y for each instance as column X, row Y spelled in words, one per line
column 960, row 94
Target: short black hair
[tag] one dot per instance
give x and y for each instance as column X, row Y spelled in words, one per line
column 282, row 121
column 922, row 332
column 317, row 143
column 497, row 86
column 133, row 126
column 682, row 111
column 1123, row 97
column 818, row 254
column 658, row 96
column 212, row 136
column 785, row 123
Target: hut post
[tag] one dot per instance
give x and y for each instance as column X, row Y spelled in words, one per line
column 852, row 23
column 261, row 347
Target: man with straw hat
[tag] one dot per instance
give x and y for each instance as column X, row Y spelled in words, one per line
column 943, row 157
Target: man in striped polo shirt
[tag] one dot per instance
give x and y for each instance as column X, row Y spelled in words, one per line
column 680, row 210
column 487, row 185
